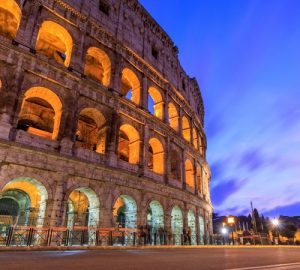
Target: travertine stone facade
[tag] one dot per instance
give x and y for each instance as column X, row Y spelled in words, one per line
column 76, row 77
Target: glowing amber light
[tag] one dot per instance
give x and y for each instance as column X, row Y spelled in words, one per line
column 158, row 102
column 186, row 130
column 173, row 116
column 134, row 143
column 230, row 220
column 53, row 100
column 189, row 173
column 130, row 82
column 54, row 41
column 10, row 17
column 98, row 65
column 158, row 155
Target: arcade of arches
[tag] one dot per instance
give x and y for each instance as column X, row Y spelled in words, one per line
column 25, row 202
column 109, row 139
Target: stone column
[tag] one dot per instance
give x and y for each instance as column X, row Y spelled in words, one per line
column 166, row 109
column 144, row 93
column 112, row 140
column 197, row 226
column 167, row 161
column 182, row 166
column 180, row 113
column 144, row 150
column 116, row 74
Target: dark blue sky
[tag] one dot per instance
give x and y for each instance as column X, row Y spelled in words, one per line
column 245, row 55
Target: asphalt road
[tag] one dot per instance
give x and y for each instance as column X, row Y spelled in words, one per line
column 149, row 259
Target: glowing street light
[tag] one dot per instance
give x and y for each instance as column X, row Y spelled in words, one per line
column 275, row 222
column 231, row 221
column 224, row 231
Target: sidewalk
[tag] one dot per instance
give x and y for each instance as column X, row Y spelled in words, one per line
column 68, row 248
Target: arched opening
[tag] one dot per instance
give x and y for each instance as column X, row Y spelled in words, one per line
column 192, row 227
column 186, row 129
column 175, row 165
column 176, row 225
column 195, row 138
column 198, row 179
column 189, row 174
column 10, row 18
column 125, row 212
column 202, row 230
column 91, row 130
column 40, row 113
column 130, row 86
column 83, row 208
column 54, row 41
column 156, row 156
column 128, row 144
column 23, row 201
column 97, row 65
column 82, row 211
column 173, row 116
column 155, row 103
column 155, row 216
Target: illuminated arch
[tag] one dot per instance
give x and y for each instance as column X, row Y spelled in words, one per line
column 54, row 41
column 201, row 229
column 173, row 116
column 176, row 224
column 195, row 138
column 83, row 208
column 186, row 129
column 91, row 130
column 40, row 106
column 189, row 173
column 10, row 18
column 130, row 86
column 30, row 197
column 155, row 104
column 125, row 211
column 129, row 144
column 98, row 65
column 155, row 216
column 156, row 156
column 192, row 226
column 175, row 165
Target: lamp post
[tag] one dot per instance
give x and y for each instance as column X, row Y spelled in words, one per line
column 224, row 232
column 275, row 222
column 231, row 221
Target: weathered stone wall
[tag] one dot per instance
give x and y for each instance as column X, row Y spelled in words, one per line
column 127, row 36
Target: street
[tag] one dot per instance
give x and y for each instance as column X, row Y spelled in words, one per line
column 155, row 259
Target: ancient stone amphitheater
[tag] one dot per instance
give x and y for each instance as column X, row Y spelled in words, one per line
column 101, row 128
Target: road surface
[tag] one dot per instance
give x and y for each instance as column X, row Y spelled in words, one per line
column 154, row 259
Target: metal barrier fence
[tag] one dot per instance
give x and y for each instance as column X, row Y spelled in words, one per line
column 84, row 236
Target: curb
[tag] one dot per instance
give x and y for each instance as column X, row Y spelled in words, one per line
column 87, row 248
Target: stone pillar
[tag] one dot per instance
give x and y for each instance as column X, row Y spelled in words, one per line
column 166, row 109
column 144, row 93
column 77, row 61
column 56, row 208
column 197, row 226
column 195, row 177
column 116, row 74
column 180, row 113
column 182, row 166
column 67, row 132
column 144, row 150
column 167, row 161
column 106, row 214
column 112, row 140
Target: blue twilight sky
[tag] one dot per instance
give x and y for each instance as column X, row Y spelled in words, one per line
column 245, row 55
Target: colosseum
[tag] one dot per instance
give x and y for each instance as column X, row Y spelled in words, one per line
column 101, row 129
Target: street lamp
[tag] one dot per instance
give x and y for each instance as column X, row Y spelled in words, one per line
column 231, row 221
column 224, row 232
column 275, row 222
